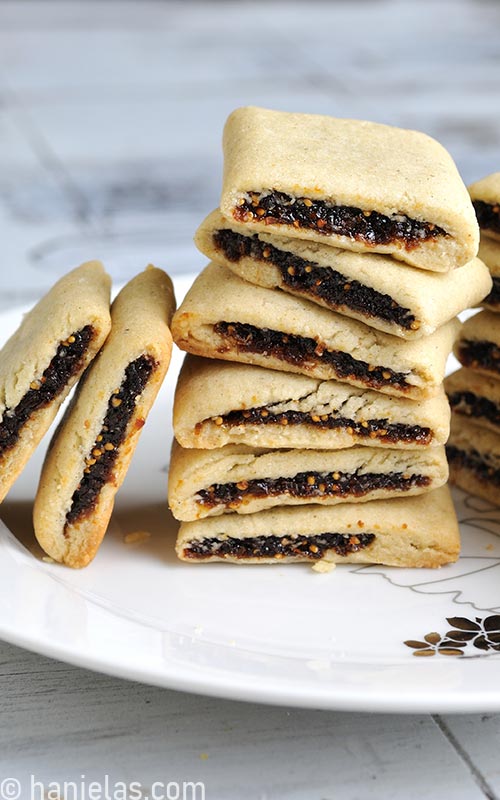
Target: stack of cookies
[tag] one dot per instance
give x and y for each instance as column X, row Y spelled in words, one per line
column 310, row 415
column 474, row 391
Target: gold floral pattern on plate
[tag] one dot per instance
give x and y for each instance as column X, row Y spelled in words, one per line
column 483, row 634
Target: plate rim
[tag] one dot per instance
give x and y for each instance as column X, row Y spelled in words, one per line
column 395, row 702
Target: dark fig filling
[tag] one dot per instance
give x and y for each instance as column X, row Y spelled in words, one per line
column 488, row 215
column 304, row 352
column 473, row 461
column 309, row 485
column 471, row 405
column 67, row 362
column 479, row 354
column 331, row 287
column 493, row 298
column 102, row 457
column 368, row 429
column 369, row 227
column 302, row 547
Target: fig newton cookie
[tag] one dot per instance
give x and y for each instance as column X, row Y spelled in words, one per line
column 485, row 196
column 90, row 452
column 227, row 318
column 478, row 345
column 474, row 459
column 409, row 303
column 489, row 252
column 419, row 531
column 476, row 396
column 245, row 480
column 218, row 403
column 43, row 359
column 358, row 185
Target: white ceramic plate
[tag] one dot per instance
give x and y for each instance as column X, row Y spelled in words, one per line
column 279, row 634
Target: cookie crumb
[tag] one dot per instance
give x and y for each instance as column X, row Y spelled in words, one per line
column 48, row 560
column 324, row 566
column 136, row 537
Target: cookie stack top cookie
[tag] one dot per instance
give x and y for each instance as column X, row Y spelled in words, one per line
column 358, row 185
column 364, row 219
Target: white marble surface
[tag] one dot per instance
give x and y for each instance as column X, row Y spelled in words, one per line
column 110, row 122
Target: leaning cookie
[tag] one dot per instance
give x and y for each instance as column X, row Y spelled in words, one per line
column 476, row 396
column 91, row 450
column 485, row 196
column 489, row 252
column 417, row 531
column 474, row 458
column 478, row 345
column 44, row 358
column 225, row 317
column 409, row 303
column 242, row 479
column 356, row 185
column 222, row 402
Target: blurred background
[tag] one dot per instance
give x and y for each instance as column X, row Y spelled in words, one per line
column 111, row 112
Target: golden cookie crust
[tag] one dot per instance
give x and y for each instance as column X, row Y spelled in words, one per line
column 432, row 298
column 140, row 315
column 218, row 295
column 420, row 531
column 208, row 390
column 79, row 299
column 389, row 170
column 192, row 471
